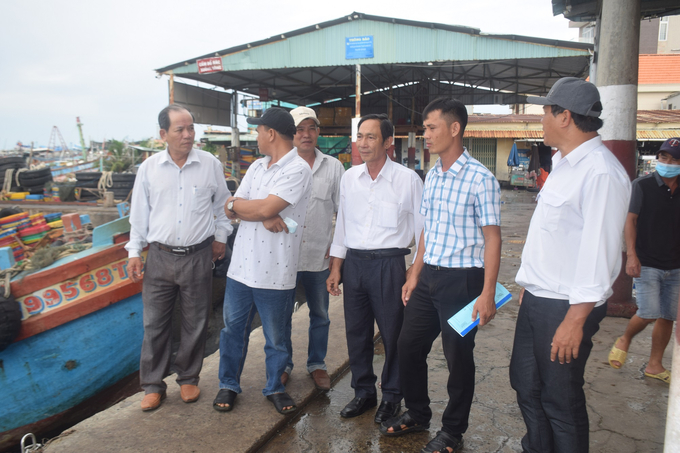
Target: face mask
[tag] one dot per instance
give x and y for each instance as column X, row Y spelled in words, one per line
column 667, row 170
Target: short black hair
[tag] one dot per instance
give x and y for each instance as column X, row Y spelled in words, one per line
column 386, row 127
column 164, row 116
column 582, row 122
column 453, row 111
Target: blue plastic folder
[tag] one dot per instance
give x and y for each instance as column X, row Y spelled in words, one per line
column 462, row 321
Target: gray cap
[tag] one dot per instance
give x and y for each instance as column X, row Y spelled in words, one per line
column 575, row 95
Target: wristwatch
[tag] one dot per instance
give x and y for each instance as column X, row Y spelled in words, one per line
column 230, row 206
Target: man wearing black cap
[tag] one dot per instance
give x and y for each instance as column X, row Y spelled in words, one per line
column 570, row 261
column 653, row 245
column 273, row 196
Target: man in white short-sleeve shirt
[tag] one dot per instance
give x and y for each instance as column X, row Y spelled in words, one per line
column 271, row 203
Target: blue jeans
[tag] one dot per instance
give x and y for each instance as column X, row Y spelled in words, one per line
column 657, row 293
column 241, row 302
column 317, row 301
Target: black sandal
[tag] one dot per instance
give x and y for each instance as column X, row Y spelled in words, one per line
column 442, row 442
column 410, row 425
column 224, row 396
column 281, row 400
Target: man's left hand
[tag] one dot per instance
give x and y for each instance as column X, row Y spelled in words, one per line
column 485, row 307
column 566, row 342
column 218, row 249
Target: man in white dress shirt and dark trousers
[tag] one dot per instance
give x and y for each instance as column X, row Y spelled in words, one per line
column 316, row 241
column 177, row 208
column 271, row 203
column 457, row 261
column 570, row 261
column 377, row 220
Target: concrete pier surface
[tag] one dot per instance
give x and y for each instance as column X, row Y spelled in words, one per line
column 627, row 412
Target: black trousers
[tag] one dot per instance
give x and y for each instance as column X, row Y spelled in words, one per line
column 372, row 290
column 439, row 295
column 550, row 395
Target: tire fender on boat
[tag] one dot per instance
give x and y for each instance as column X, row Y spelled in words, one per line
column 10, row 320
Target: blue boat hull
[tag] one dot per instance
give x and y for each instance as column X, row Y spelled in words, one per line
column 48, row 373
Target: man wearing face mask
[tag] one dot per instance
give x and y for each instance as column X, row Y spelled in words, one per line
column 653, row 248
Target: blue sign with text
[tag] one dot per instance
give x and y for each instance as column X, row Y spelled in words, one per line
column 358, row 47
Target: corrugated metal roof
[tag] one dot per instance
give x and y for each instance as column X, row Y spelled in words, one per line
column 525, row 134
column 395, row 41
column 658, row 116
column 643, row 116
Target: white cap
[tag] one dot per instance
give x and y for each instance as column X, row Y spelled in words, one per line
column 304, row 113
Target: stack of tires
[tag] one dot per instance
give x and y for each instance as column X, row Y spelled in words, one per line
column 33, row 181
column 14, row 163
column 88, row 180
column 122, row 185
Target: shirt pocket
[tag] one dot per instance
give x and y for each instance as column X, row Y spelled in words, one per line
column 321, row 190
column 201, row 199
column 388, row 214
column 553, row 204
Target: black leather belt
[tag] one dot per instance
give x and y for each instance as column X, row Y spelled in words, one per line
column 378, row 253
column 442, row 268
column 184, row 251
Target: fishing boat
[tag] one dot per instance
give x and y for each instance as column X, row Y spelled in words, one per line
column 81, row 335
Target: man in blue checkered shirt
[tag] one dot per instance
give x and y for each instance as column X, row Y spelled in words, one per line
column 457, row 261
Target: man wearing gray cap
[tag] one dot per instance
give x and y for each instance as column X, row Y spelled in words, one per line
column 263, row 269
column 653, row 253
column 316, row 241
column 570, row 261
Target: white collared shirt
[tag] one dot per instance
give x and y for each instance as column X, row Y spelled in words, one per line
column 378, row 214
column 178, row 206
column 323, row 203
column 262, row 259
column 574, row 244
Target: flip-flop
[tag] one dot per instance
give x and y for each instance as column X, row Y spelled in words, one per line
column 224, row 396
column 281, row 400
column 617, row 355
column 664, row 376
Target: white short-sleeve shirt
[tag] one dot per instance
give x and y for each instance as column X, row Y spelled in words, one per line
column 262, row 259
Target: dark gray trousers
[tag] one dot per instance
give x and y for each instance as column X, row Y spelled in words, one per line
column 165, row 277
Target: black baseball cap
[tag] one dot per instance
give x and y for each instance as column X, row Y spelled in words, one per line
column 575, row 95
column 278, row 119
column 672, row 147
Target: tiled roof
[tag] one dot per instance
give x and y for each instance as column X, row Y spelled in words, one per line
column 659, row 68
column 643, row 116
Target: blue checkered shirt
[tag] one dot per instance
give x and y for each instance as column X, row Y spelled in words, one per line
column 456, row 205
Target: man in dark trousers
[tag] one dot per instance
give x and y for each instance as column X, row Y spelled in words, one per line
column 177, row 208
column 458, row 260
column 571, row 258
column 377, row 220
column 653, row 258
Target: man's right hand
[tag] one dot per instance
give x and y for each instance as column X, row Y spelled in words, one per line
column 275, row 224
column 633, row 267
column 333, row 282
column 409, row 287
column 135, row 268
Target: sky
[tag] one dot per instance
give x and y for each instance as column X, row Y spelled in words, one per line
column 95, row 59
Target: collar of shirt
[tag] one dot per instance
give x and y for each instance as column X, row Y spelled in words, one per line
column 385, row 171
column 264, row 162
column 659, row 181
column 457, row 165
column 577, row 154
column 192, row 157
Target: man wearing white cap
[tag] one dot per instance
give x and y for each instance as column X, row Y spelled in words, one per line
column 570, row 261
column 313, row 264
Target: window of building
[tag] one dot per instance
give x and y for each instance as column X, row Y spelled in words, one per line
column 588, row 34
column 663, row 29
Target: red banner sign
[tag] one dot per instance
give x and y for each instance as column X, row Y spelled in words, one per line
column 209, row 65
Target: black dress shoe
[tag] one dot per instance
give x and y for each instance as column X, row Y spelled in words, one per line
column 386, row 411
column 358, row 406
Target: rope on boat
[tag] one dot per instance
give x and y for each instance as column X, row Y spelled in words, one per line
column 7, row 185
column 106, row 180
column 16, row 176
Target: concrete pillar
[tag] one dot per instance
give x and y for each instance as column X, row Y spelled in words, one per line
column 672, row 441
column 617, row 78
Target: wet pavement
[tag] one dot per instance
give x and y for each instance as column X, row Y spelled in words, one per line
column 627, row 411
